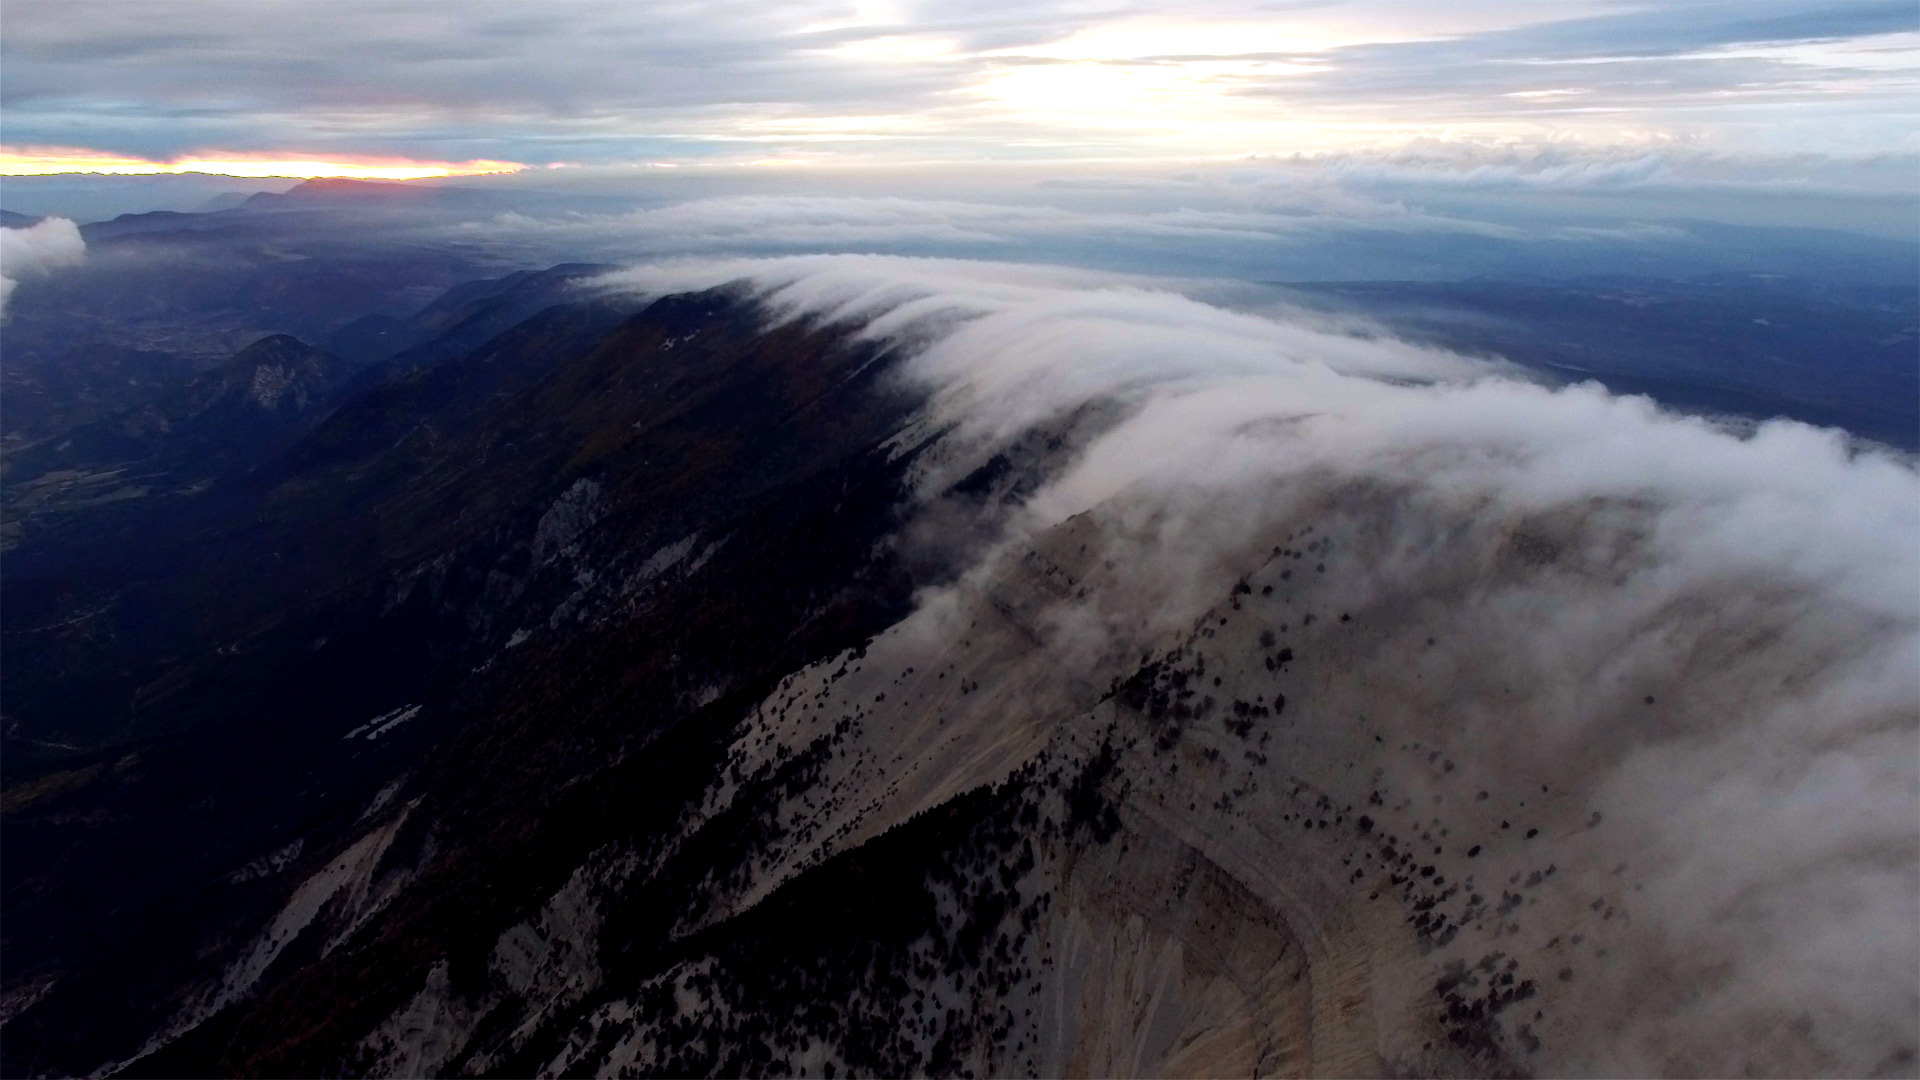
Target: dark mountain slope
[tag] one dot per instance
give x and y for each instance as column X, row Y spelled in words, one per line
column 482, row 532
column 461, row 454
column 600, row 742
column 157, row 581
column 232, row 419
column 466, row 317
column 547, row 751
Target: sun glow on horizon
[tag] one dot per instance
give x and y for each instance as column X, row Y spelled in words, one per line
column 56, row 160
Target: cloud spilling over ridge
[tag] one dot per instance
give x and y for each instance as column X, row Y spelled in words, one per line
column 1574, row 553
column 38, row 249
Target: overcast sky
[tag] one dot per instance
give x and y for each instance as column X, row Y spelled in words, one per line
column 900, row 81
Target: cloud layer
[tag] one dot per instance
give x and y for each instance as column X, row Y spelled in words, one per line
column 1406, row 216
column 1752, row 820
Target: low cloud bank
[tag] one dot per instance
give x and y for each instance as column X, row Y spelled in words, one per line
column 1581, row 551
column 761, row 224
column 1408, row 217
column 37, row 250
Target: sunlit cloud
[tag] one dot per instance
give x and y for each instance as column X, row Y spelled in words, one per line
column 896, row 49
column 1139, row 38
column 1118, row 95
column 56, row 160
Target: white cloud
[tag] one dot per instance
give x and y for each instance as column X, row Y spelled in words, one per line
column 37, row 250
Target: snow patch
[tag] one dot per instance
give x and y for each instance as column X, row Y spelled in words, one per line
column 666, row 558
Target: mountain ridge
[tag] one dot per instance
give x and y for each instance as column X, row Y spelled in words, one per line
column 726, row 686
